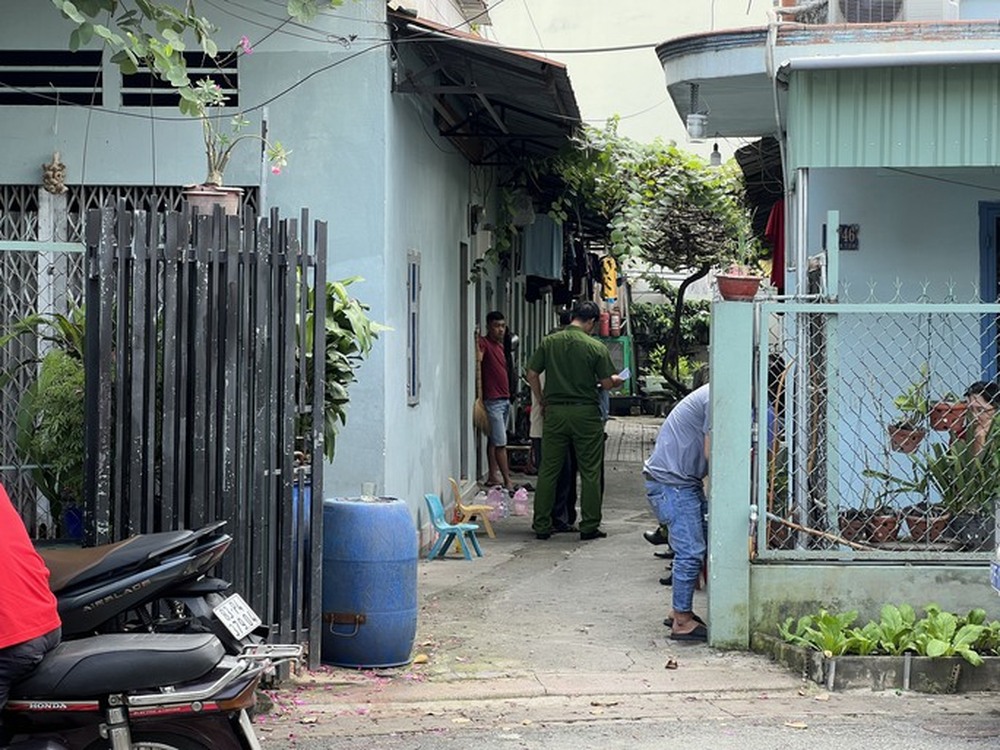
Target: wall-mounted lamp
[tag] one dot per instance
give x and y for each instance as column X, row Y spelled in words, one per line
column 715, row 158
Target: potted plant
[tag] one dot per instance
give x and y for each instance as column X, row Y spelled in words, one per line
column 908, row 430
column 926, row 521
column 855, row 524
column 205, row 100
column 947, row 413
column 968, row 482
column 884, row 525
column 967, row 485
column 49, row 431
column 350, row 335
column 741, row 279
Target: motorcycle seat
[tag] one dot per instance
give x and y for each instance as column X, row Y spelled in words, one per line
column 117, row 663
column 71, row 566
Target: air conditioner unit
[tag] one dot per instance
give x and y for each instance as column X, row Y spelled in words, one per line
column 867, row 11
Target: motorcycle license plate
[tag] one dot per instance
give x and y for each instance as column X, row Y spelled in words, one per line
column 238, row 617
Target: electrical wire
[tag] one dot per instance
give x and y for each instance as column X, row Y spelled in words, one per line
column 221, row 7
column 380, row 44
column 946, row 180
column 531, row 20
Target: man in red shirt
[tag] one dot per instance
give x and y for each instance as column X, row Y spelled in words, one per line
column 496, row 396
column 29, row 622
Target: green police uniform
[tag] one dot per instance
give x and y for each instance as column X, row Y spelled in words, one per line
column 573, row 363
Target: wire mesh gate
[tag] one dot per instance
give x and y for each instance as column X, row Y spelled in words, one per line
column 205, row 356
column 884, row 439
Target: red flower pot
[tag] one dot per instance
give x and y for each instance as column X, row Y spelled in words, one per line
column 905, row 439
column 945, row 415
column 736, row 288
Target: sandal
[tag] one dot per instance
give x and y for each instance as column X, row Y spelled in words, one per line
column 669, row 622
column 700, row 633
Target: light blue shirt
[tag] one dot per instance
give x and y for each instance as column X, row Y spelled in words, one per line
column 678, row 458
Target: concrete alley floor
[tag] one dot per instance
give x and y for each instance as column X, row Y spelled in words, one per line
column 561, row 644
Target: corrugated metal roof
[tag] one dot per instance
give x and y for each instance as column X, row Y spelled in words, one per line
column 929, row 116
column 495, row 104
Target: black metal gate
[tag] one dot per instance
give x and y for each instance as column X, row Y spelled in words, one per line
column 204, row 394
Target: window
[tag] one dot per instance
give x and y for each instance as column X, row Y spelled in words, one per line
column 412, row 328
column 45, row 78
column 143, row 89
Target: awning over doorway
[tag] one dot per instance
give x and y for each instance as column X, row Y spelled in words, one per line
column 496, row 105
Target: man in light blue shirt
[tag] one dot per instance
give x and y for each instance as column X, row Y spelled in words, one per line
column 674, row 474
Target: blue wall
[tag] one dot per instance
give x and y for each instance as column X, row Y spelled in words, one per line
column 365, row 160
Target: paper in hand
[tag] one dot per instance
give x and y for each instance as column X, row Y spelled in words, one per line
column 625, row 374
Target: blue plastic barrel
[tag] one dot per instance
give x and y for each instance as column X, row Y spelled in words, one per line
column 369, row 582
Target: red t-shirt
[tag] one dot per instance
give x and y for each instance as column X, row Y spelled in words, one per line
column 495, row 382
column 27, row 606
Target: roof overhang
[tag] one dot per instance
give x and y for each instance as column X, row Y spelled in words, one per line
column 496, row 105
column 737, row 76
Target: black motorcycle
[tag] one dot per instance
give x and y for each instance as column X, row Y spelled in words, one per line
column 152, row 583
column 138, row 692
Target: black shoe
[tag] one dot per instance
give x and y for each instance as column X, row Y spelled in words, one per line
column 667, row 554
column 595, row 534
column 655, row 537
column 667, row 580
column 544, row 536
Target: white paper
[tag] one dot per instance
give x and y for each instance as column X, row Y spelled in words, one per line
column 625, row 374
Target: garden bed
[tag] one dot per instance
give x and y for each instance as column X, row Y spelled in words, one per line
column 922, row 674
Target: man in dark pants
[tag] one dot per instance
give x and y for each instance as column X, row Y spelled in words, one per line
column 573, row 362
column 29, row 623
column 564, row 507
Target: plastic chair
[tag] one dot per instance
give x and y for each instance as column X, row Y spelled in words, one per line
column 468, row 513
column 463, row 533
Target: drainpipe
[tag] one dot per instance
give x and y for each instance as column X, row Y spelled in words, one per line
column 801, row 380
column 888, row 60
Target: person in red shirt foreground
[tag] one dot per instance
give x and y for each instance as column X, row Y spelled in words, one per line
column 29, row 622
column 496, row 397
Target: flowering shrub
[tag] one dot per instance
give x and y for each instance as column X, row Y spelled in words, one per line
column 199, row 101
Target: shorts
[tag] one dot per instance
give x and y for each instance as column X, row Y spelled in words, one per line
column 498, row 410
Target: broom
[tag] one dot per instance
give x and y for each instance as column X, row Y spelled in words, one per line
column 479, row 417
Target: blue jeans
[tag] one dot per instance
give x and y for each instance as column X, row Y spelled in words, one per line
column 683, row 509
column 497, row 409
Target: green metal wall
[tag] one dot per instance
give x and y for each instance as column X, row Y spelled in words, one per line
column 931, row 116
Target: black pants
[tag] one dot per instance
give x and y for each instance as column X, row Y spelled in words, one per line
column 18, row 660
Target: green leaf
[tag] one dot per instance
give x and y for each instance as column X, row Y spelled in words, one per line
column 70, row 11
column 936, row 647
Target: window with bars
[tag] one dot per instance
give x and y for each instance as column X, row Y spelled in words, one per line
column 45, row 78
column 413, row 328
column 143, row 89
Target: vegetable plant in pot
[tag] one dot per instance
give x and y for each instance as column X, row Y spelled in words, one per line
column 907, row 431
